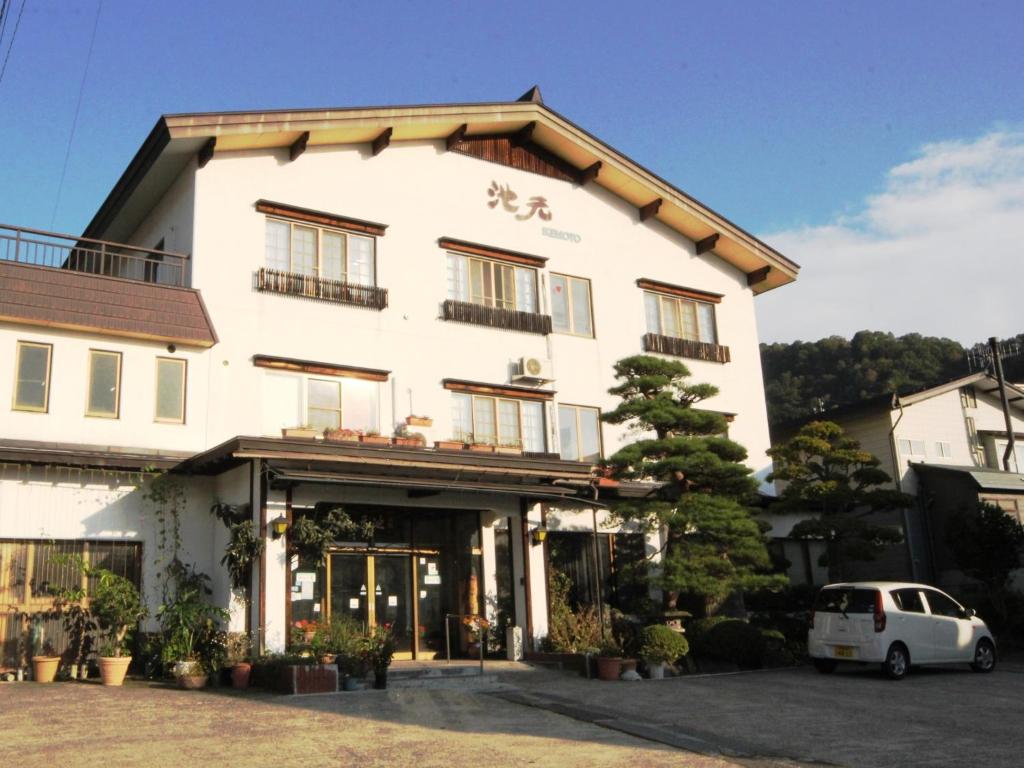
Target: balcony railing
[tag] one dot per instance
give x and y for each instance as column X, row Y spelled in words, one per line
column 97, row 257
column 695, row 350
column 319, row 288
column 509, row 319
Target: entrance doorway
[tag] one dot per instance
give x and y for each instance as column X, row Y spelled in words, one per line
column 376, row 588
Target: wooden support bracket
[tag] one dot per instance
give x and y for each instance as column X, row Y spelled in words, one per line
column 382, row 141
column 524, row 135
column 706, row 244
column 206, row 153
column 650, row 210
column 589, row 173
column 456, row 136
column 299, row 146
column 758, row 275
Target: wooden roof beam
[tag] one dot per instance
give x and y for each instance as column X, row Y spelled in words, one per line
column 706, row 244
column 758, row 275
column 456, row 136
column 206, row 153
column 589, row 173
column 650, row 210
column 382, row 141
column 299, row 146
column 524, row 135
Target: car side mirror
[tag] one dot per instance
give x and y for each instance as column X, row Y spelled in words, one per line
column 968, row 613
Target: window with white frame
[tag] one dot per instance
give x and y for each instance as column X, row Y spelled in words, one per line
column 680, row 318
column 491, row 283
column 570, row 305
column 332, row 254
column 103, row 397
column 321, row 402
column 32, row 377
column 498, row 421
column 912, row 447
column 579, row 433
column 943, row 449
column 170, row 390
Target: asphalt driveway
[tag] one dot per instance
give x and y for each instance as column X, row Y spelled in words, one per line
column 855, row 717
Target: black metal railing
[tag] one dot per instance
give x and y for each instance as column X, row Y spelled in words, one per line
column 509, row 319
column 53, row 250
column 695, row 350
column 319, row 288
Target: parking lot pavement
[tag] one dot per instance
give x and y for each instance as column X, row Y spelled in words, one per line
column 940, row 716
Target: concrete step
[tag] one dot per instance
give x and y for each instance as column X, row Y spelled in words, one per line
column 475, row 682
column 434, row 671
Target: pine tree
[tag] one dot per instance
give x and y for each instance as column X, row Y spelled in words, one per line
column 712, row 545
column 829, row 476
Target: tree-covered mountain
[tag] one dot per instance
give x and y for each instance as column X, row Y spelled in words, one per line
column 810, row 377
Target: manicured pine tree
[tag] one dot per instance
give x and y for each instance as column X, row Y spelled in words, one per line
column 712, row 545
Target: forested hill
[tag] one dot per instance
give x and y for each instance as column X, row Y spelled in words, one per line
column 808, row 377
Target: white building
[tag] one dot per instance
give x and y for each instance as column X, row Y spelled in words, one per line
column 481, row 265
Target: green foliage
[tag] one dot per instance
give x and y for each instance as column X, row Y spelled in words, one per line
column 713, row 545
column 244, row 545
column 828, row 475
column 380, row 648
column 190, row 624
column 117, row 607
column 732, row 640
column 570, row 631
column 986, row 544
column 78, row 621
column 662, row 645
column 313, row 533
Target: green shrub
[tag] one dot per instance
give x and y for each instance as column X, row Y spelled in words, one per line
column 118, row 607
column 697, row 631
column 570, row 631
column 733, row 640
column 662, row 645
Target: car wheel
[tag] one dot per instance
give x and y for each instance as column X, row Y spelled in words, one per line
column 984, row 656
column 897, row 662
column 825, row 666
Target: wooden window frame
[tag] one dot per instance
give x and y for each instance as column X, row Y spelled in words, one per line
column 17, row 371
column 117, row 385
column 679, row 301
column 495, row 265
column 600, row 433
column 184, row 390
column 320, row 230
column 570, row 300
column 495, row 399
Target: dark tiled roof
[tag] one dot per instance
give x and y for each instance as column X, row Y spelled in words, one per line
column 60, row 298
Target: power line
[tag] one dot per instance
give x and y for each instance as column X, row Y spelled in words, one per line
column 3, row 17
column 78, row 106
column 14, row 34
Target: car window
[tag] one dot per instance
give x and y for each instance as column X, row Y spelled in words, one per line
column 908, row 600
column 845, row 600
column 942, row 605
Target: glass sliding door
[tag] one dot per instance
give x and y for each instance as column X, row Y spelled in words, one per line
column 392, row 579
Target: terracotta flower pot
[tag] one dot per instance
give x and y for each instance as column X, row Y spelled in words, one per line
column 113, row 669
column 240, row 674
column 44, row 668
column 190, row 675
column 609, row 668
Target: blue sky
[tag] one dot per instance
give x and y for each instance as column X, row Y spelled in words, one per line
column 792, row 119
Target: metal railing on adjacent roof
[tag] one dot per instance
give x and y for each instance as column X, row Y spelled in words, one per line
column 54, row 250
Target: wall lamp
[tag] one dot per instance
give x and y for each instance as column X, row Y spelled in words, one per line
column 539, row 535
column 279, row 526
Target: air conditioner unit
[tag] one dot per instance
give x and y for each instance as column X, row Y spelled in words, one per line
column 533, row 370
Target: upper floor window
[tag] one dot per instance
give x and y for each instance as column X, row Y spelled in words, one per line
column 943, row 449
column 320, row 252
column 104, row 396
column 498, row 421
column 492, row 283
column 579, row 433
column 968, row 398
column 680, row 318
column 912, row 447
column 570, row 305
column 170, row 390
column 32, row 377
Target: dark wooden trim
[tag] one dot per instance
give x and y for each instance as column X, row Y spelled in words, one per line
column 524, row 135
column 206, row 153
column 314, row 288
column 679, row 290
column 650, row 210
column 320, row 217
column 758, row 275
column 524, row 510
column 492, row 252
column 382, row 141
column 456, row 136
column 589, row 173
column 706, row 244
column 324, row 369
column 299, row 146
column 262, row 610
column 496, row 317
column 498, row 390
column 287, row 570
column 694, row 350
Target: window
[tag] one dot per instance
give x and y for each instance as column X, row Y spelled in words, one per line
column 579, row 433
column 943, row 449
column 104, row 384
column 968, row 398
column 320, row 252
column 498, row 421
column 570, row 305
column 491, row 283
column 680, row 318
column 908, row 600
column 32, row 377
column 337, row 403
column 170, row 390
column 602, row 568
column 943, row 606
column 912, row 447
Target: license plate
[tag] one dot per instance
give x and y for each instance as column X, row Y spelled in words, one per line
column 843, row 651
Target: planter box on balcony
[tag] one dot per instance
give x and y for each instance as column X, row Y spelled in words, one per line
column 509, row 450
column 342, row 435
column 410, row 442
column 481, row 448
column 375, row 440
column 419, row 421
column 300, row 432
column 449, row 445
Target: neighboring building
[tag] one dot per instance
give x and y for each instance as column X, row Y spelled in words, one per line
column 483, row 265
column 945, row 446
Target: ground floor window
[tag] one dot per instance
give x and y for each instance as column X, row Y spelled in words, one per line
column 602, row 569
column 799, row 559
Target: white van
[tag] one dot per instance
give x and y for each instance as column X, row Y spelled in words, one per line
column 895, row 624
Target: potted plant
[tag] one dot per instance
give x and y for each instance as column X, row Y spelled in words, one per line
column 661, row 645
column 193, row 644
column 380, row 649
column 117, row 607
column 481, row 447
column 240, row 659
column 609, row 660
column 343, row 435
column 303, row 431
column 44, row 665
column 419, row 421
column 453, row 444
column 375, row 438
